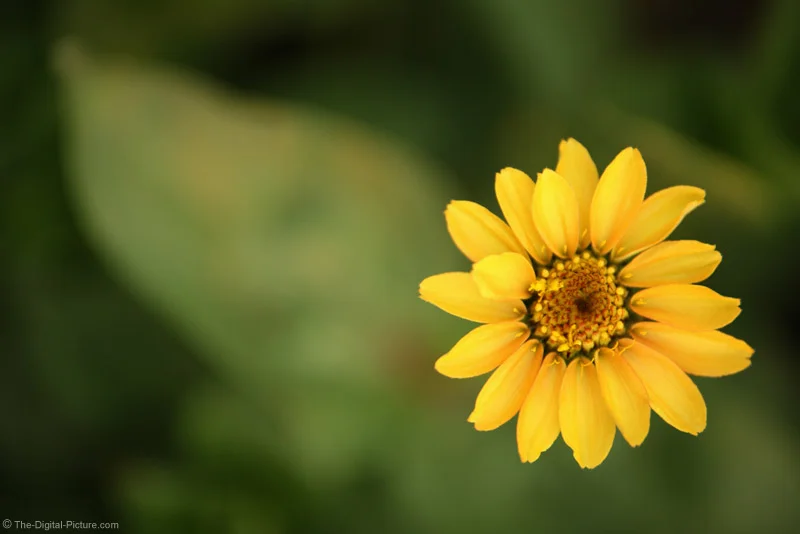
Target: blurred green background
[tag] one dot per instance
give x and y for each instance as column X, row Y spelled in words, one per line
column 214, row 217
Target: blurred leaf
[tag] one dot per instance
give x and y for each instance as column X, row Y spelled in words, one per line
column 244, row 220
column 285, row 244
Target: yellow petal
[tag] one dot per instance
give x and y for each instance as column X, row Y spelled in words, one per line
column 586, row 425
column 576, row 166
column 504, row 276
column 617, row 199
column 671, row 262
column 555, row 213
column 477, row 232
column 625, row 396
column 514, row 190
column 457, row 294
column 482, row 349
column 537, row 424
column 503, row 394
column 707, row 353
column 660, row 214
column 686, row 306
column 672, row 394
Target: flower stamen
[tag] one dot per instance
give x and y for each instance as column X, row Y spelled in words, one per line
column 578, row 305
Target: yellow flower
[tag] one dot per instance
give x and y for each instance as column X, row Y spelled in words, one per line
column 590, row 318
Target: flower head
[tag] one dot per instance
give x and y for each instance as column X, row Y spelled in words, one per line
column 590, row 317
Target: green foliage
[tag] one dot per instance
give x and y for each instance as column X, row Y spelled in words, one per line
column 209, row 294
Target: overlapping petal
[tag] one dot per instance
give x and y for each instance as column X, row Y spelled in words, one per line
column 477, row 232
column 673, row 395
column 514, row 190
column 504, row 276
column 502, row 395
column 671, row 262
column 624, row 395
column 555, row 213
column 704, row 353
column 659, row 215
column 586, row 425
column 458, row 294
column 686, row 306
column 577, row 167
column 537, row 424
column 482, row 349
column 617, row 199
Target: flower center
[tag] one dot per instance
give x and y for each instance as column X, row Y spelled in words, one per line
column 582, row 308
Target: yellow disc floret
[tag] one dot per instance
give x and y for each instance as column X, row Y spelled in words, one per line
column 582, row 306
